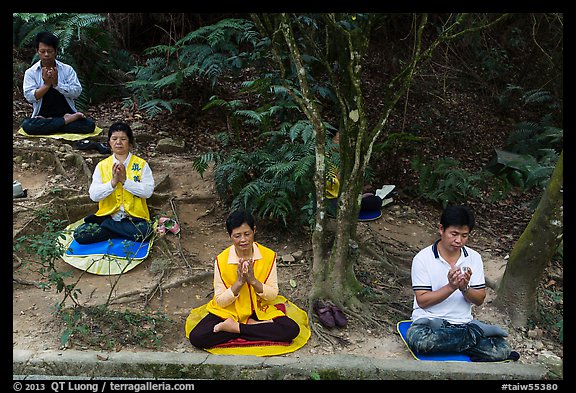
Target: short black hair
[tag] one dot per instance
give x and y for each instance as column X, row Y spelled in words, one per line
column 46, row 38
column 120, row 126
column 457, row 215
column 237, row 218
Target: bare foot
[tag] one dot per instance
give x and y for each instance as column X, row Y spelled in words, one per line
column 253, row 321
column 69, row 118
column 228, row 325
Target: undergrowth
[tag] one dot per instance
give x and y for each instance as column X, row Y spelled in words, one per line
column 107, row 329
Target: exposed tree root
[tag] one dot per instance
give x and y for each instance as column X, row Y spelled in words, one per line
column 134, row 295
column 25, row 282
column 383, row 261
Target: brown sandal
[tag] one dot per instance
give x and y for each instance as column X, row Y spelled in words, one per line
column 339, row 317
column 324, row 314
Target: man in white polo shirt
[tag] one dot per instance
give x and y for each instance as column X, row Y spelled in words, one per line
column 447, row 278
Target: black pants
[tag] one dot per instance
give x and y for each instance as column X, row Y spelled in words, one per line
column 56, row 125
column 281, row 329
column 96, row 229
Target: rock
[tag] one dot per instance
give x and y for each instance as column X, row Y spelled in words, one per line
column 537, row 332
column 70, row 158
column 169, row 145
column 552, row 362
column 287, row 258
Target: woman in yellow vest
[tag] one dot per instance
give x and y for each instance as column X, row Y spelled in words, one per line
column 245, row 287
column 120, row 184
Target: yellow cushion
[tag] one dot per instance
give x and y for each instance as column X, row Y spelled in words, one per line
column 69, row 137
column 293, row 311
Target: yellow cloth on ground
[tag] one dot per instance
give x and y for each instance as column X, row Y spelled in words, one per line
column 292, row 311
column 69, row 137
column 100, row 263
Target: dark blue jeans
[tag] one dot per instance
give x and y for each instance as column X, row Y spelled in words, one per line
column 463, row 338
column 96, row 229
column 53, row 125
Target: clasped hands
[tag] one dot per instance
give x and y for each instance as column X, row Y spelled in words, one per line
column 50, row 76
column 246, row 271
column 118, row 174
column 457, row 279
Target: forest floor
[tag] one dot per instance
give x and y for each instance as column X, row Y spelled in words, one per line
column 177, row 276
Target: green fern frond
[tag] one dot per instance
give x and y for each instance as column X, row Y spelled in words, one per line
column 536, row 96
column 538, row 176
column 161, row 50
column 279, row 90
column 303, row 129
column 201, row 163
column 86, row 20
column 249, row 114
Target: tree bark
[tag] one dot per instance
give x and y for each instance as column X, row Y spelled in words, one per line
column 518, row 289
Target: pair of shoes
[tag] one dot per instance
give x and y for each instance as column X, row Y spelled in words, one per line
column 86, row 144
column 324, row 313
column 103, row 148
column 329, row 314
column 339, row 317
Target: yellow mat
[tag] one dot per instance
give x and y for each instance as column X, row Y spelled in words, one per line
column 69, row 137
column 112, row 257
column 293, row 311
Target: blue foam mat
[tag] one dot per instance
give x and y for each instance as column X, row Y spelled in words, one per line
column 369, row 215
column 403, row 326
column 115, row 247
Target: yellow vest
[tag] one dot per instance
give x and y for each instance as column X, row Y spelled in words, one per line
column 247, row 301
column 133, row 205
column 332, row 183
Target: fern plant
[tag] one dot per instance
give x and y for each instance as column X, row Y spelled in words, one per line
column 272, row 181
column 538, row 146
column 535, row 139
column 444, row 182
column 205, row 53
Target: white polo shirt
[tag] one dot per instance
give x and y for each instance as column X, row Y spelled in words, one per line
column 430, row 272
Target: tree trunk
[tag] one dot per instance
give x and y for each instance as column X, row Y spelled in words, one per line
column 517, row 291
column 342, row 40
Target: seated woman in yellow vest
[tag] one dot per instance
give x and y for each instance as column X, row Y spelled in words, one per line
column 369, row 201
column 120, row 184
column 245, row 286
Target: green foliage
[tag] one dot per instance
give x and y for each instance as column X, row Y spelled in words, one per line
column 275, row 181
column 553, row 316
column 444, row 182
column 101, row 327
column 560, row 326
column 540, row 140
column 538, row 146
column 46, row 249
column 267, row 181
column 205, row 53
column 72, row 325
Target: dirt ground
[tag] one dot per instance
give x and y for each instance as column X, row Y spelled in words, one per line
column 183, row 264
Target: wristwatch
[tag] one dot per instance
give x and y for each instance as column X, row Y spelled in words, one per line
column 465, row 290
